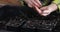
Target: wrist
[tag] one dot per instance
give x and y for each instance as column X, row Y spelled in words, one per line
column 54, row 6
column 58, row 4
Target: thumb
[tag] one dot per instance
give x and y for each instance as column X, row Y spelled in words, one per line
column 44, row 8
column 38, row 10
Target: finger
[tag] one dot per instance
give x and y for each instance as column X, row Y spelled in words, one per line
column 35, row 4
column 45, row 13
column 44, row 8
column 38, row 10
column 38, row 2
column 30, row 5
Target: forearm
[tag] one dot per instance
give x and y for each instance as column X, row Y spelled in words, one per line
column 58, row 3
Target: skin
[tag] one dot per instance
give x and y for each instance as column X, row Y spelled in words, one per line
column 32, row 3
column 36, row 4
column 46, row 10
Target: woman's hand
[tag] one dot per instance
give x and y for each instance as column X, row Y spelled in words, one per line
column 46, row 10
column 32, row 3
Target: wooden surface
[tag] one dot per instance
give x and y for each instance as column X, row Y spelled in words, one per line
column 10, row 2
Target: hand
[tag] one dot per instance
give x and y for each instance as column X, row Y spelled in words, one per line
column 32, row 3
column 46, row 10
